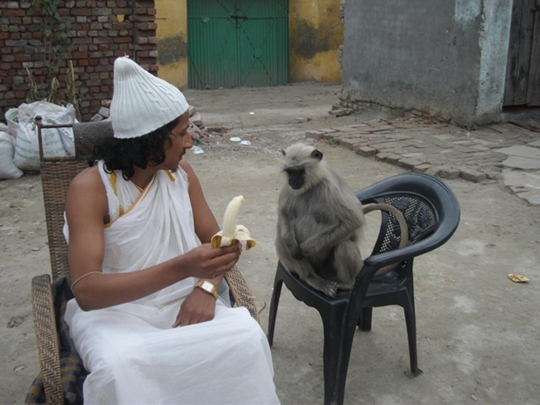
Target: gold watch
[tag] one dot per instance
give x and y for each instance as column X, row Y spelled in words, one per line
column 207, row 287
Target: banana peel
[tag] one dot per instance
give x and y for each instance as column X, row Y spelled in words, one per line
column 516, row 278
column 231, row 233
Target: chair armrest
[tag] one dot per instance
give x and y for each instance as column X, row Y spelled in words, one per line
column 240, row 291
column 47, row 338
column 428, row 244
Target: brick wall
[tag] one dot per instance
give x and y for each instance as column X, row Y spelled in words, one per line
column 100, row 32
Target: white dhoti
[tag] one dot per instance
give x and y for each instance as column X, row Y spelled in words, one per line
column 131, row 351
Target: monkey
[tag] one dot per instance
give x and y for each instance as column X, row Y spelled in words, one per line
column 320, row 222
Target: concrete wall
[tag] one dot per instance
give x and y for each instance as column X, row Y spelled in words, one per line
column 171, row 20
column 315, row 34
column 443, row 57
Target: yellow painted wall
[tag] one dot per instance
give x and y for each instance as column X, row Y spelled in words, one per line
column 315, row 34
column 171, row 19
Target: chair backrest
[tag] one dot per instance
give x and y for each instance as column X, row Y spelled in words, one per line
column 428, row 205
column 56, row 176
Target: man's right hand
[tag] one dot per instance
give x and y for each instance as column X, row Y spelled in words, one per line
column 207, row 262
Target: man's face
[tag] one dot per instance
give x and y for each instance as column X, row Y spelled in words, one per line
column 179, row 142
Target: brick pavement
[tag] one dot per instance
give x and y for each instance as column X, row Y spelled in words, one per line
column 501, row 152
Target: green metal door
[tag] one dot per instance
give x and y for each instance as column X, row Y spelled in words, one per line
column 237, row 43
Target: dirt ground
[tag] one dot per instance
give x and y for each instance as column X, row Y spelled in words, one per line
column 477, row 331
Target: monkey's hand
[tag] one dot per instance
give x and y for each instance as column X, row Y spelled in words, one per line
column 296, row 252
column 307, row 248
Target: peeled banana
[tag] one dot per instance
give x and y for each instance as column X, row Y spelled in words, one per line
column 231, row 233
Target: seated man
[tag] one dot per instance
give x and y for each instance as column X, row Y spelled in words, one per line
column 146, row 329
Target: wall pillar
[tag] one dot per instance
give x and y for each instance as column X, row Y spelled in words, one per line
column 171, row 21
column 315, row 35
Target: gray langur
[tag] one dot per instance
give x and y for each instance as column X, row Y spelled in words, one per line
column 320, row 222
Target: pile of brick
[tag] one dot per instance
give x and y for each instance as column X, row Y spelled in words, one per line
column 340, row 111
column 104, row 112
column 196, row 125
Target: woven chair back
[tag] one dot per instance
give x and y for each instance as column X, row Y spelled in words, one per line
column 56, row 176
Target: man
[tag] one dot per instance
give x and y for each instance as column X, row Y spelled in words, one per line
column 147, row 329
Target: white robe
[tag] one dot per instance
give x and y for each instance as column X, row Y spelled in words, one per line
column 133, row 354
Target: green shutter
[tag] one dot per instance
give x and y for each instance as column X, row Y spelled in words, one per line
column 237, row 43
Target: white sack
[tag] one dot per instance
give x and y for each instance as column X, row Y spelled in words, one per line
column 57, row 142
column 11, row 118
column 7, row 169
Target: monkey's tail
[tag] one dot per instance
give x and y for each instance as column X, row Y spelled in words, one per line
column 404, row 228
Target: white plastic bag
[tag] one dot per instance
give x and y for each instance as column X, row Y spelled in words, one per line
column 7, row 169
column 57, row 142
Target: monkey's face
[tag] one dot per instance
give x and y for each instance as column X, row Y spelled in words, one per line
column 302, row 166
column 296, row 177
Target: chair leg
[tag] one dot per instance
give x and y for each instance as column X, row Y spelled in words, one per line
column 410, row 319
column 278, row 283
column 364, row 322
column 337, row 350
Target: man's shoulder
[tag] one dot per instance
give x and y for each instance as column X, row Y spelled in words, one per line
column 88, row 178
column 187, row 169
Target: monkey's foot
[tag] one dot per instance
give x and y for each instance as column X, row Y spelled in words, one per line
column 327, row 287
column 344, row 286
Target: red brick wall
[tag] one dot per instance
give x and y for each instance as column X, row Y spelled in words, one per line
column 95, row 39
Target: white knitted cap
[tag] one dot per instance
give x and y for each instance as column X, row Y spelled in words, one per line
column 142, row 102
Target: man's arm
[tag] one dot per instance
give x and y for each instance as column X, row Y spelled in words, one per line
column 86, row 212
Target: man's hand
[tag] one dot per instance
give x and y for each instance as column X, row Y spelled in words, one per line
column 198, row 307
column 209, row 263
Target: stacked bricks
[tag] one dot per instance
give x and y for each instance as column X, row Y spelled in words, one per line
column 100, row 32
column 418, row 143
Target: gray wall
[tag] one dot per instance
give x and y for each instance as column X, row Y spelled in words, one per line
column 444, row 57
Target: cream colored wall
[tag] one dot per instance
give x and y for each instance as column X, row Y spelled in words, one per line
column 171, row 19
column 315, row 34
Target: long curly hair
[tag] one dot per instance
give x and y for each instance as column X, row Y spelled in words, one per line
column 143, row 151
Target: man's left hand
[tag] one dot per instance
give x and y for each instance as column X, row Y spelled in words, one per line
column 198, row 307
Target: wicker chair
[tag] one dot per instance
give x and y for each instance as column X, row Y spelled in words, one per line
column 56, row 175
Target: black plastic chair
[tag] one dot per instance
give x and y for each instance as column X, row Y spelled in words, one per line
column 432, row 213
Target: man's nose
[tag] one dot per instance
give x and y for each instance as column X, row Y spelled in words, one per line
column 189, row 141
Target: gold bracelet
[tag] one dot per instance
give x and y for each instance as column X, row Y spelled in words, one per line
column 83, row 276
column 208, row 287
